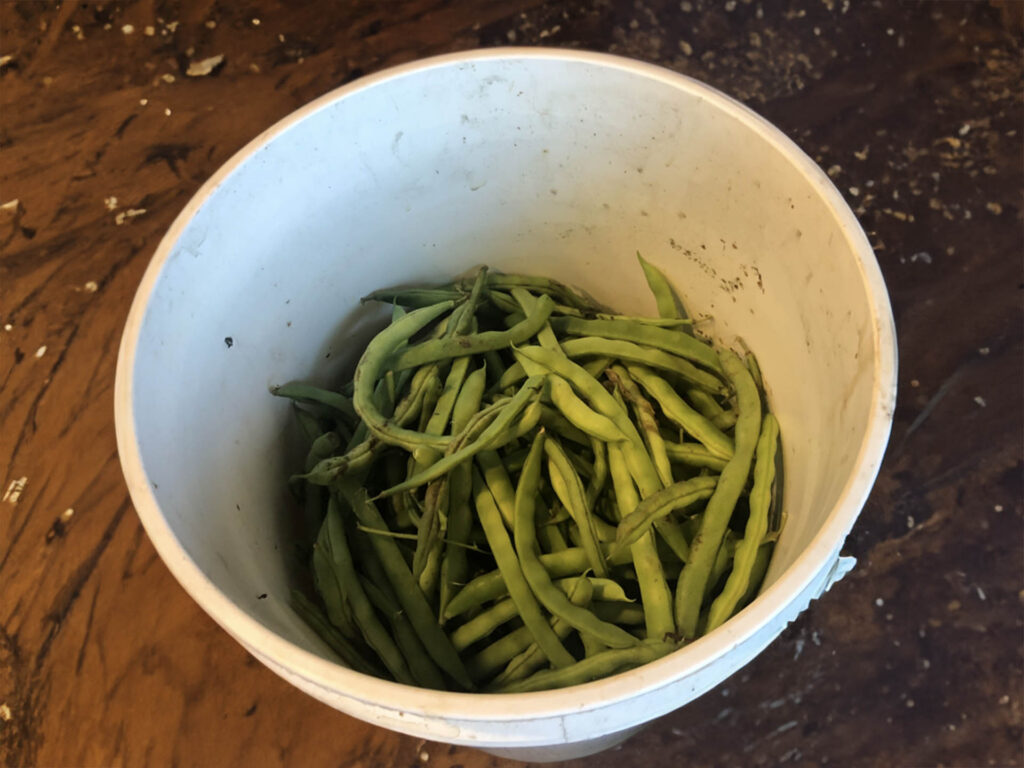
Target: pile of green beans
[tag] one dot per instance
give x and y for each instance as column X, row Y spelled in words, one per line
column 521, row 490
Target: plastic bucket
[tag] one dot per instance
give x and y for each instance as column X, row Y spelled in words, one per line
column 540, row 161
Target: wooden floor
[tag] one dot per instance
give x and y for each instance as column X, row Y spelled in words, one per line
column 915, row 110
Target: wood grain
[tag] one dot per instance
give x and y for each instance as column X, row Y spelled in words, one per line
column 914, row 108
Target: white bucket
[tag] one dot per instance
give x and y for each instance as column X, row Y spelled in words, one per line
column 539, row 161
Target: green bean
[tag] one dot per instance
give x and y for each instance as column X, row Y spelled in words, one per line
column 757, row 573
column 600, row 665
column 644, row 412
column 446, row 402
column 468, row 400
column 553, row 420
column 491, row 659
column 458, row 346
column 671, row 533
column 550, row 535
column 428, row 555
column 665, row 339
column 539, row 580
column 694, row 455
column 467, row 317
column 638, row 461
column 313, row 501
column 314, row 617
column 524, row 426
column 722, row 565
column 423, row 669
column 569, row 489
column 484, row 623
column 415, row 297
column 628, row 352
column 431, row 394
column 757, row 526
column 329, row 469
column 591, row 645
column 621, row 613
column 514, row 318
column 309, row 424
column 543, row 285
column 658, row 322
column 485, row 440
column 338, row 405
column 545, row 336
column 338, row 609
column 540, row 361
column 514, row 373
column 694, row 577
column 642, row 470
column 502, row 300
column 654, row 590
column 580, row 594
column 710, row 409
column 499, row 483
column 637, row 458
column 454, row 567
column 664, row 297
column 600, row 474
column 513, row 459
column 495, row 365
column 678, row 411
column 509, row 377
column 426, row 561
column 596, row 365
column 335, row 546
column 413, row 601
column 512, row 572
column 658, row 505
column 754, row 368
column 579, row 413
column 371, row 366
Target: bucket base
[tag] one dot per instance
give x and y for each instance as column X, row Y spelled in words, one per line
column 556, row 752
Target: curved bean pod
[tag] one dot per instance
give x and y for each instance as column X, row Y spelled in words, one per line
column 569, row 489
column 599, row 665
column 512, row 572
column 629, row 352
column 307, row 393
column 757, row 526
column 694, row 577
column 676, row 409
column 485, row 440
column 664, row 297
column 526, row 545
column 579, row 593
column 414, row 297
column 655, row 593
column 454, row 565
column 407, row 590
column 335, row 545
column 579, row 413
column 372, row 365
column 665, row 339
column 468, row 400
column 710, row 409
column 644, row 412
column 314, row 617
column 658, row 505
column 459, row 346
column 694, row 455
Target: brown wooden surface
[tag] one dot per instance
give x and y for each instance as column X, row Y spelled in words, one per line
column 915, row 109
